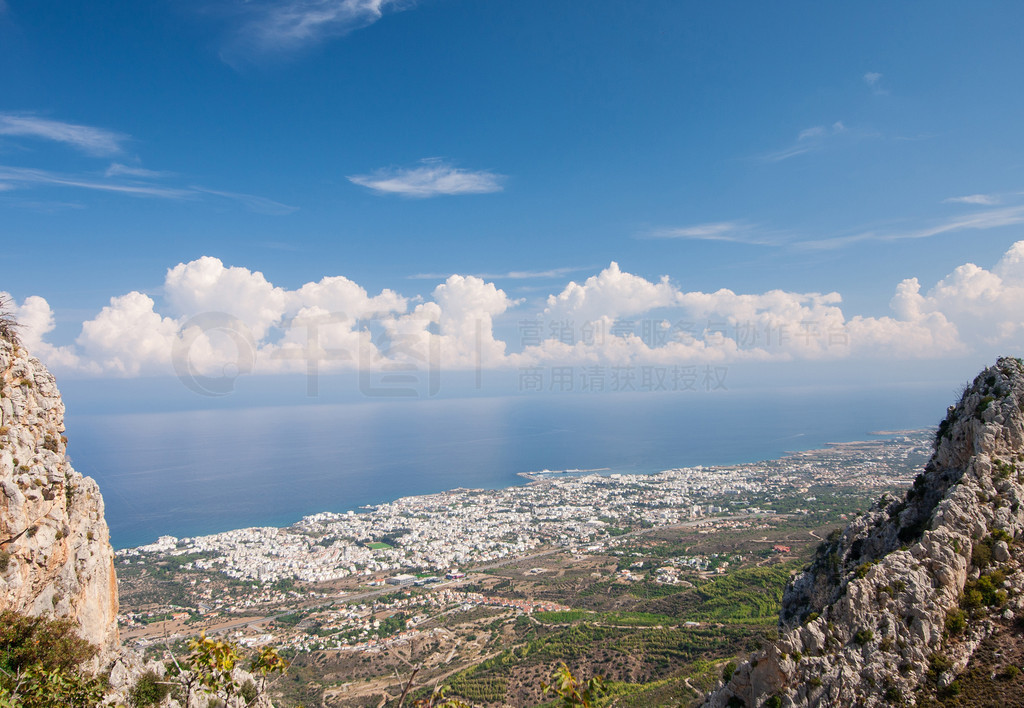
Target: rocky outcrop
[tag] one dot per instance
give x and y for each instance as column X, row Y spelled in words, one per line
column 895, row 604
column 55, row 553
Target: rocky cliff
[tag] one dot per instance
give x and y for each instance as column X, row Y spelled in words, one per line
column 55, row 553
column 892, row 608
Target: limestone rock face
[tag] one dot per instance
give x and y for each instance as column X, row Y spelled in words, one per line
column 55, row 553
column 869, row 622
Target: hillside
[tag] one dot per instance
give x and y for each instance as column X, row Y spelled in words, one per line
column 55, row 553
column 893, row 608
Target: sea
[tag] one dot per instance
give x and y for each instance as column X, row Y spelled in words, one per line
column 190, row 473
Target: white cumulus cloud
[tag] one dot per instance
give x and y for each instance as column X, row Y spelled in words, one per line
column 233, row 318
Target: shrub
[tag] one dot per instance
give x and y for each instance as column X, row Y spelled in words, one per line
column 981, row 555
column 46, row 655
column 248, row 691
column 956, row 622
column 149, row 690
column 1003, row 470
column 984, row 403
column 938, row 664
column 574, row 691
column 863, row 636
column 728, row 671
column 1002, row 535
column 971, row 599
column 984, row 592
column 8, row 324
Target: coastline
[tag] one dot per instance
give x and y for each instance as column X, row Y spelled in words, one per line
column 201, row 473
column 546, row 477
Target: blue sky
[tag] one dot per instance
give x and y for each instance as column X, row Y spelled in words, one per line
column 188, row 157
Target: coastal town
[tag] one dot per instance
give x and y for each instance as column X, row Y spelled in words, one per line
column 449, row 579
column 418, row 541
column 440, row 533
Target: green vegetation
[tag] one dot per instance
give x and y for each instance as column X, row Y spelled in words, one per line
column 938, row 663
column 208, row 671
column 487, row 689
column 149, row 690
column 636, row 619
column 574, row 692
column 563, row 616
column 984, row 592
column 956, row 622
column 662, row 650
column 984, row 403
column 291, row 619
column 749, row 594
column 40, row 663
column 981, row 554
column 1004, row 470
column 863, row 636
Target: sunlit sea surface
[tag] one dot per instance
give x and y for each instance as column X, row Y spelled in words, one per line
column 193, row 473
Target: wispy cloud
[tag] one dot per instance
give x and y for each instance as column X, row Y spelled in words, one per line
column 45, row 207
column 276, row 27
column 981, row 220
column 29, row 176
column 13, row 177
column 509, row 275
column 431, row 178
column 808, row 140
column 873, row 79
column 731, row 231
column 118, row 178
column 260, row 205
column 90, row 140
column 116, row 169
column 982, row 199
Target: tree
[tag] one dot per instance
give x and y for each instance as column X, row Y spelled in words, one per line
column 574, row 692
column 40, row 664
column 210, row 669
column 8, row 324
